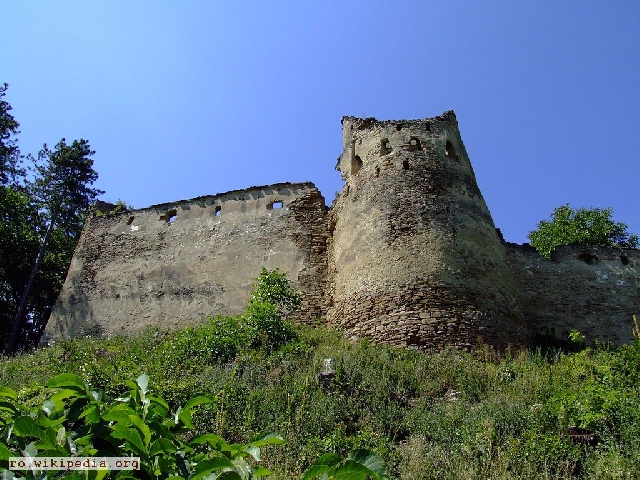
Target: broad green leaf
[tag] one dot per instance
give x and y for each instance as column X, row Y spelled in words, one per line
column 133, row 439
column 119, row 413
column 199, row 400
column 162, row 446
column 369, row 459
column 329, row 459
column 184, row 417
column 64, row 394
column 242, row 467
column 8, row 393
column 352, row 470
column 92, row 413
column 5, row 453
column 213, row 465
column 8, row 407
column 235, row 450
column 261, row 472
column 143, row 428
column 125, row 475
column 159, row 401
column 215, row 441
column 68, row 381
column 25, row 426
column 321, row 465
column 119, row 430
column 267, row 439
column 315, row 471
column 99, row 474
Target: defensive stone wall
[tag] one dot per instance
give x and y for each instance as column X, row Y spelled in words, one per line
column 594, row 290
column 173, row 264
column 408, row 254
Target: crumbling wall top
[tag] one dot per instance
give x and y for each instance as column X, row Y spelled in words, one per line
column 282, row 189
column 358, row 123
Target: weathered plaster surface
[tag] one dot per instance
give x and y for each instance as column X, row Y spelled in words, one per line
column 144, row 268
column 408, row 254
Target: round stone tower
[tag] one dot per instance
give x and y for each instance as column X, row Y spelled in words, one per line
column 415, row 259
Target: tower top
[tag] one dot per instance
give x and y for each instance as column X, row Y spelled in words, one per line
column 358, row 123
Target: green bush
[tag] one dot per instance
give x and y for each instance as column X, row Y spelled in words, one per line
column 439, row 415
column 581, row 226
column 449, row 414
column 273, row 287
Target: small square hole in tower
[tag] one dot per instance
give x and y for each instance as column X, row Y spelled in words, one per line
column 449, row 151
column 356, row 164
column 169, row 216
column 385, row 147
column 218, row 210
column 414, row 144
column 275, row 205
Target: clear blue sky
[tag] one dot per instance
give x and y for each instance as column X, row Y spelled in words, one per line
column 182, row 99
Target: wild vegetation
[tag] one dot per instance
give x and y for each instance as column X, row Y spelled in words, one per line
column 41, row 217
column 204, row 401
column 525, row 414
column 581, row 226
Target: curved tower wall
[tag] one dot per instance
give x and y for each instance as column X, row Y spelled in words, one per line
column 415, row 259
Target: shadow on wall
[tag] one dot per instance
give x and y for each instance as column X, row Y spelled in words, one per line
column 80, row 318
column 588, row 289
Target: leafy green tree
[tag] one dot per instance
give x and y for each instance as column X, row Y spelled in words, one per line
column 273, row 299
column 581, row 226
column 19, row 219
column 62, row 193
column 19, row 241
column 273, row 286
column 10, row 169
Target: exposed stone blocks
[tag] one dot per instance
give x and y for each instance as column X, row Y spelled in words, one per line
column 173, row 264
column 595, row 290
column 411, row 235
column 408, row 254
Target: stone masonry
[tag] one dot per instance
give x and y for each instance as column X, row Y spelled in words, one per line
column 172, row 265
column 408, row 254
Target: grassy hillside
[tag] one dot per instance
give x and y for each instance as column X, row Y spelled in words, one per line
column 440, row 415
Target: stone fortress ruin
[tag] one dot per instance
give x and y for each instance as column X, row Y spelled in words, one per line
column 408, row 254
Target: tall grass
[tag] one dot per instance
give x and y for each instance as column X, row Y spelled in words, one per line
column 439, row 415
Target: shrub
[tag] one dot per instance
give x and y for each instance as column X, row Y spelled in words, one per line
column 580, row 227
column 273, row 299
column 273, row 287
